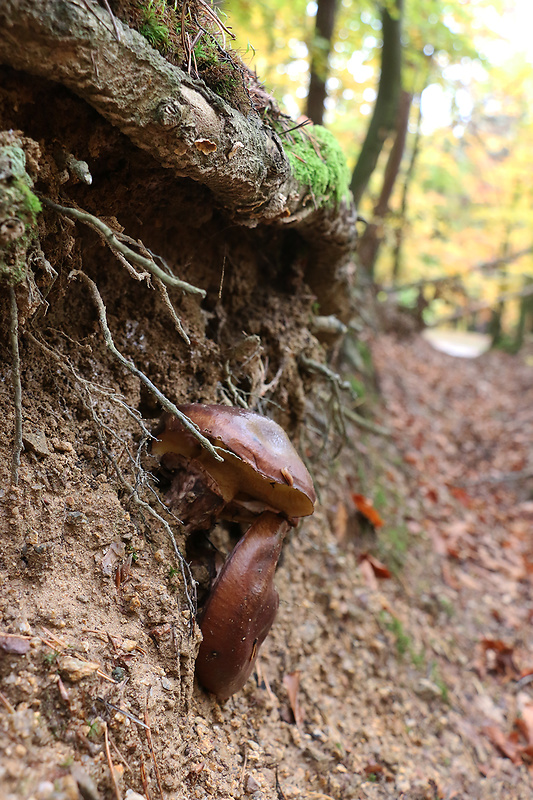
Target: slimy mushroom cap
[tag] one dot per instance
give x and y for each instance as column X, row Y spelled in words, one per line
column 260, row 462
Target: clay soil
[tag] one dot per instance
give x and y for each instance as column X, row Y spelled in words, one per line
column 400, row 661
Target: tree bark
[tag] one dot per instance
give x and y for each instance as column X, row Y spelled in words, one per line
column 159, row 107
column 183, row 124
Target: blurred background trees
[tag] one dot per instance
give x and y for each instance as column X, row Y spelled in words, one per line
column 437, row 128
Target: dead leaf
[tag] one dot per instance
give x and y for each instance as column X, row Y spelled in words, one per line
column 525, row 723
column 504, row 744
column 366, row 508
column 123, row 572
column 499, row 658
column 373, row 769
column 113, row 555
column 291, row 682
column 461, row 496
column 340, row 522
column 379, row 569
column 369, row 576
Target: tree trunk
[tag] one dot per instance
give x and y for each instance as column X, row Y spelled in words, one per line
column 320, row 52
column 372, row 238
column 385, row 109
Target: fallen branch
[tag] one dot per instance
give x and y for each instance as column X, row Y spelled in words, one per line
column 484, row 266
column 473, row 308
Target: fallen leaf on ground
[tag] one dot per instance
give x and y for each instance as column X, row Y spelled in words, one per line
column 506, row 745
column 366, row 508
column 379, row 569
column 498, row 658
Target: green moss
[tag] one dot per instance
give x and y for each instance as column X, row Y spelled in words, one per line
column 153, row 27
column 19, row 208
column 317, row 161
column 31, row 203
column 206, row 52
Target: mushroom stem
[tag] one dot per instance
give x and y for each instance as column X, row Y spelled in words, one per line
column 241, row 608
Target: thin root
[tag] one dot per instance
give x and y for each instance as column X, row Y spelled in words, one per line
column 116, row 245
column 164, row 401
column 17, row 387
column 83, row 389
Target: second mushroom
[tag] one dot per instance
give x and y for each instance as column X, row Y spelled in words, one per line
column 261, row 479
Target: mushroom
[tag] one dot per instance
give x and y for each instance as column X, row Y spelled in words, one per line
column 241, row 608
column 263, row 478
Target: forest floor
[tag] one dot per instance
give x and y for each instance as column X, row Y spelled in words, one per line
column 401, row 662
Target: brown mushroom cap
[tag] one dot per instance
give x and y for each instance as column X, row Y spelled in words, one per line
column 260, row 462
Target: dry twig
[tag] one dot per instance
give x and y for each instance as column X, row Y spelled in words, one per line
column 151, row 746
column 110, row 764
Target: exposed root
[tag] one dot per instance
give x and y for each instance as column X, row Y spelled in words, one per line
column 116, row 245
column 339, row 410
column 161, row 286
column 114, row 781
column 90, row 386
column 84, row 389
column 164, row 401
column 335, row 414
column 172, row 311
column 361, row 422
column 17, row 388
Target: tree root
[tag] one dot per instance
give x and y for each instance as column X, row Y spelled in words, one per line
column 164, row 401
column 17, row 388
column 84, row 389
column 116, row 245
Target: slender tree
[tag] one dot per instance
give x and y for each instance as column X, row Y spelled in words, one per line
column 320, row 52
column 374, row 233
column 385, row 109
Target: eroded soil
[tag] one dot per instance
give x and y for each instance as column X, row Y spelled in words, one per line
column 407, row 648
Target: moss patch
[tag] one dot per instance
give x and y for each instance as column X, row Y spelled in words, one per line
column 173, row 28
column 154, row 25
column 18, row 213
column 317, row 161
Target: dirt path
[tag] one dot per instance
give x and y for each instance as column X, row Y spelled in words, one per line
column 460, row 426
column 400, row 662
